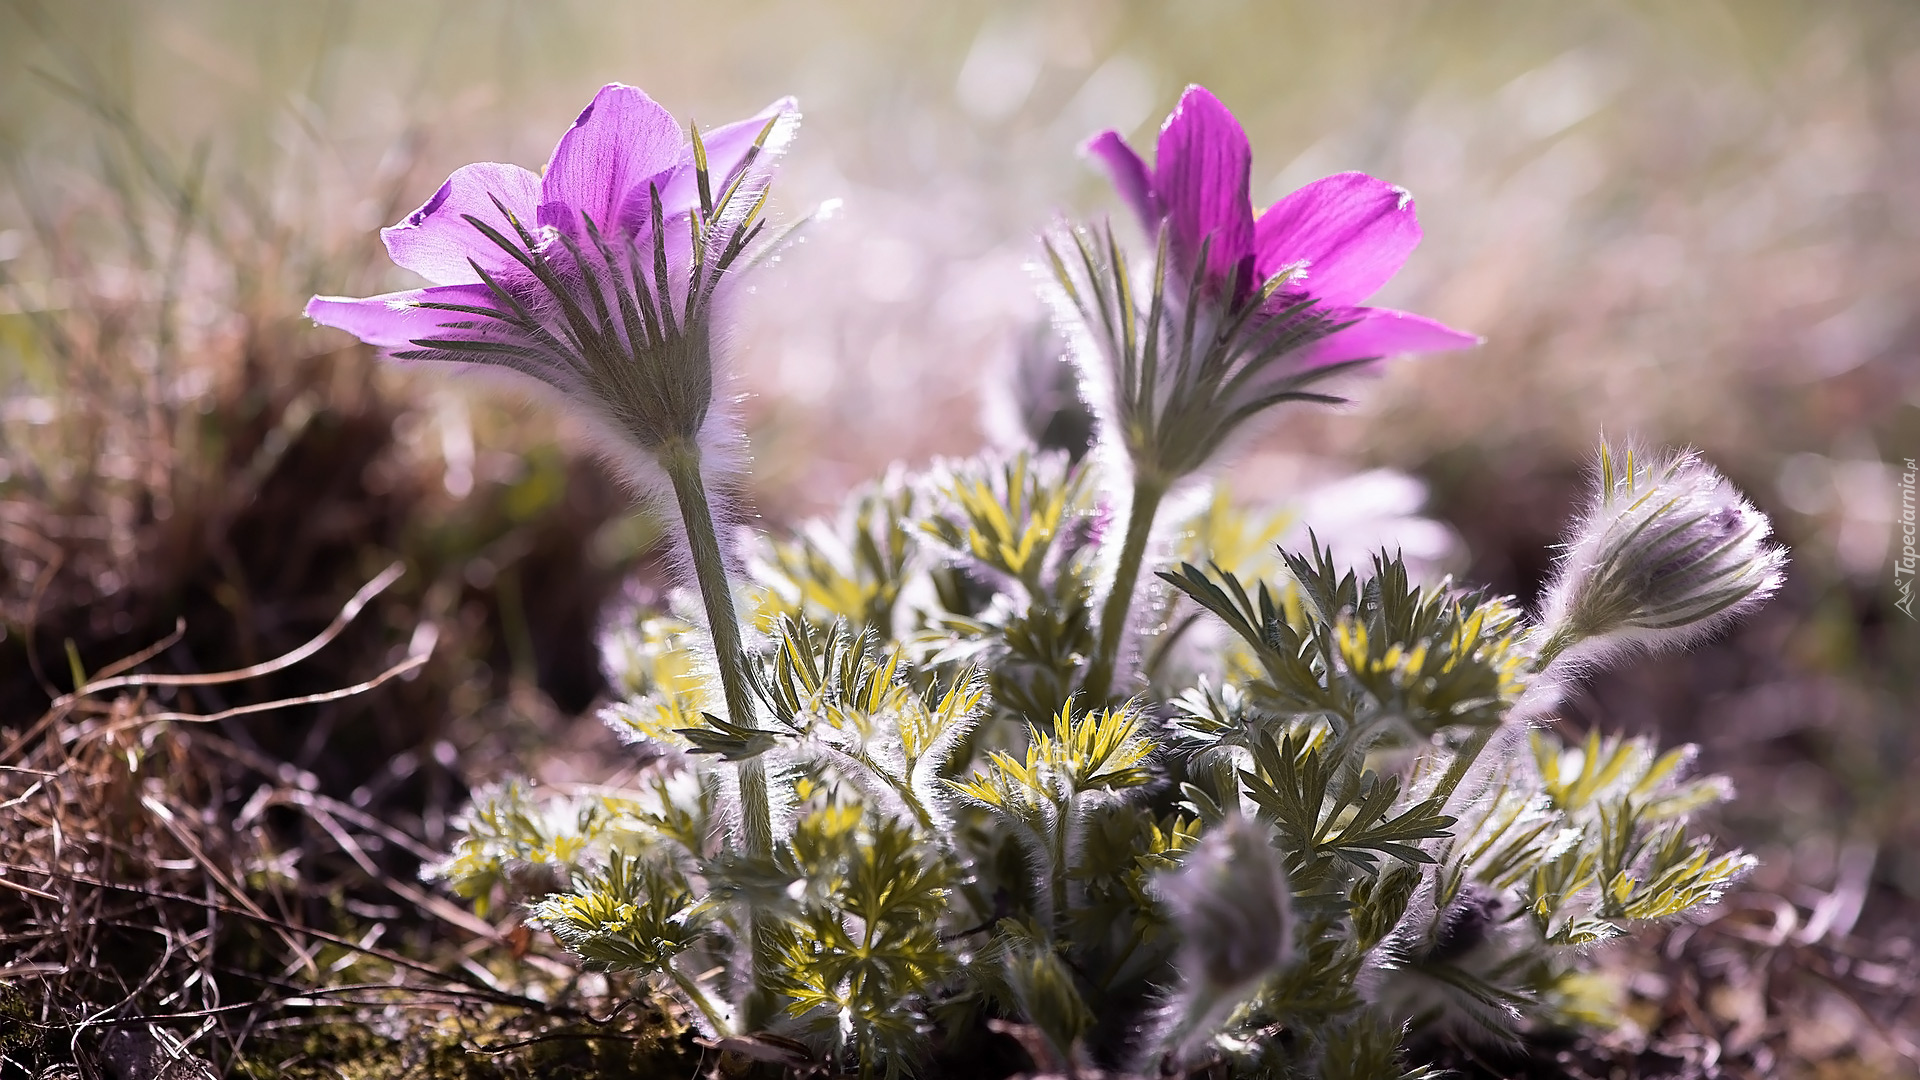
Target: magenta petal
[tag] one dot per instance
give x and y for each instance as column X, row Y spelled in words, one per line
column 396, row 320
column 1378, row 333
column 621, row 140
column 1352, row 231
column 436, row 240
column 1129, row 175
column 1201, row 171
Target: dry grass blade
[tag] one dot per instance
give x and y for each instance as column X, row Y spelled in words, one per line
column 66, row 703
column 409, row 664
column 166, row 817
column 347, row 614
column 426, row 901
column 109, row 836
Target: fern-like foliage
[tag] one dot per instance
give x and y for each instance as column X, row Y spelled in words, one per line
column 1320, row 837
column 859, row 957
column 633, row 915
column 852, row 568
column 1006, row 517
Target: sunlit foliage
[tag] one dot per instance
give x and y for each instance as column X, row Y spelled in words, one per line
column 1329, row 819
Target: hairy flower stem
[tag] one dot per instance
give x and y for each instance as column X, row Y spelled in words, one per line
column 716, row 1014
column 1147, row 493
column 1453, row 787
column 1057, row 858
column 682, row 464
column 1560, row 641
column 1464, row 759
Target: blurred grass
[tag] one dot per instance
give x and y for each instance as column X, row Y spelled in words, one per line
column 1691, row 222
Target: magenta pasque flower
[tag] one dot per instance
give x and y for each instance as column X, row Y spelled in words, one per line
column 1241, row 313
column 1335, row 242
column 599, row 277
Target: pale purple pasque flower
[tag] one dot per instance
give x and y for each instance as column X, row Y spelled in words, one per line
column 1334, row 242
column 598, row 278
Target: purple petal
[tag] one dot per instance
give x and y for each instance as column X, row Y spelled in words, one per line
column 620, row 141
column 727, row 148
column 398, row 324
column 1354, row 233
column 436, row 241
column 1201, row 171
column 396, row 320
column 1129, row 175
column 1382, row 332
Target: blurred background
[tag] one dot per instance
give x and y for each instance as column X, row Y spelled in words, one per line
column 1688, row 223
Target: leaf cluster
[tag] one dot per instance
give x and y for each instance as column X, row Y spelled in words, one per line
column 962, row 836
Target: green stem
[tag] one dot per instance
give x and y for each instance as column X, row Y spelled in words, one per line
column 697, row 994
column 682, row 464
column 1558, row 642
column 1464, row 760
column 1476, row 744
column 1147, row 494
column 1057, row 891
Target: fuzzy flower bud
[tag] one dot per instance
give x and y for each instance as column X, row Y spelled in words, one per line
column 1044, row 987
column 1668, row 551
column 1234, row 910
column 1231, row 902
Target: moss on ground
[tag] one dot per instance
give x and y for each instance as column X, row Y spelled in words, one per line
column 459, row 1048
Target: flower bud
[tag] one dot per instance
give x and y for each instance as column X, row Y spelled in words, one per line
column 1044, row 988
column 1668, row 551
column 1234, row 911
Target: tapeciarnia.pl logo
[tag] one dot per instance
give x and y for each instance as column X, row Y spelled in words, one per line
column 1905, row 565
